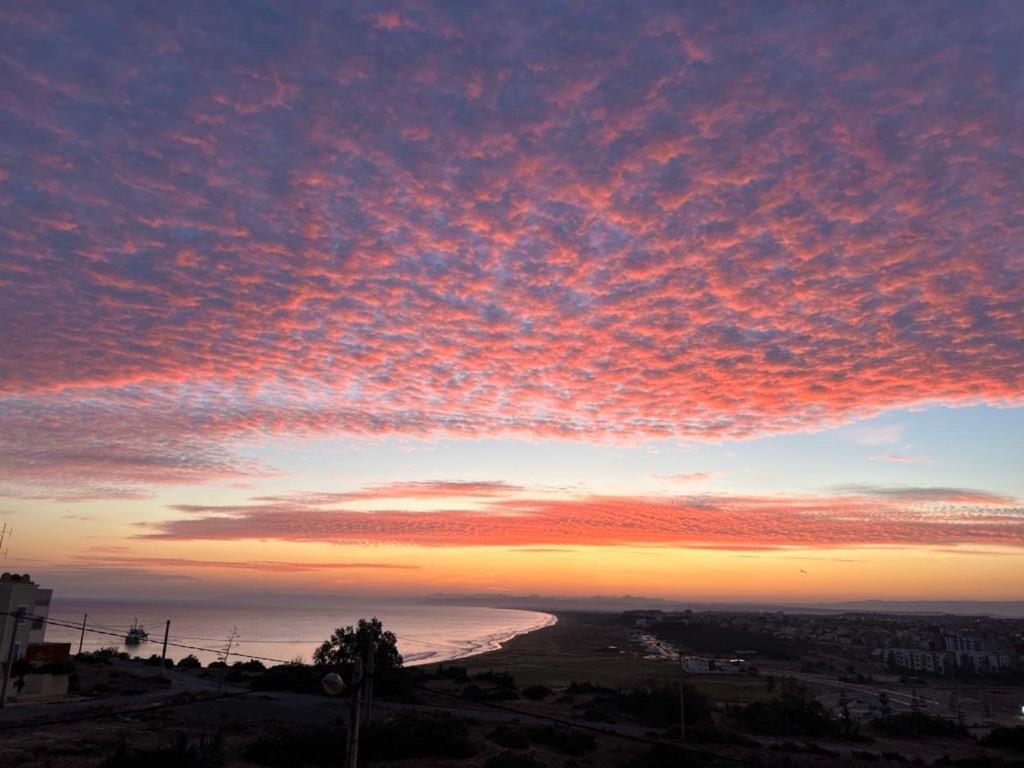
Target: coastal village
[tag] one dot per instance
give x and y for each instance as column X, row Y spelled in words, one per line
column 632, row 688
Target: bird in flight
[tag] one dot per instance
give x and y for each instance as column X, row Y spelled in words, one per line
column 802, row 571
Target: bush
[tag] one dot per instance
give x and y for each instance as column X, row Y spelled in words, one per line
column 510, row 737
column 586, row 687
column 795, row 712
column 658, row 706
column 418, row 735
column 503, row 679
column 568, row 741
column 536, row 692
column 190, row 662
column 1005, row 738
column 514, row 760
column 665, row 756
column 451, row 672
column 296, row 678
column 300, row 745
column 181, row 752
column 918, row 725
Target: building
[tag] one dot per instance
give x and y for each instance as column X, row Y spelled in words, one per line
column 696, row 664
column 49, row 675
column 917, row 660
column 20, row 593
column 959, row 643
column 982, row 661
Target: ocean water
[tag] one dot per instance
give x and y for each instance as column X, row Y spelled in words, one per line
column 426, row 633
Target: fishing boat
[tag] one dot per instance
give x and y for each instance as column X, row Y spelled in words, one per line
column 136, row 634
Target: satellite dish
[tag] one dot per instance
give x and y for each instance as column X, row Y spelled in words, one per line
column 333, row 683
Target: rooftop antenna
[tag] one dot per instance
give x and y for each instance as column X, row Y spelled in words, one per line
column 5, row 535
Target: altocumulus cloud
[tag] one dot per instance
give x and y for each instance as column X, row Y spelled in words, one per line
column 863, row 516
column 701, row 220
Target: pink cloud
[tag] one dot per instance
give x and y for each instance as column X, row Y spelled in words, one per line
column 594, row 226
column 867, row 516
column 903, row 458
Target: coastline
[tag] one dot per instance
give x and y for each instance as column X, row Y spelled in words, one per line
column 487, row 644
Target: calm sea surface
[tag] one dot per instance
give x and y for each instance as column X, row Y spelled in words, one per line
column 426, row 633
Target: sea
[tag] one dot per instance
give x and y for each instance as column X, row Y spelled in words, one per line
column 280, row 633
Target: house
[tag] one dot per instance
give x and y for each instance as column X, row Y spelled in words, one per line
column 24, row 608
column 20, row 593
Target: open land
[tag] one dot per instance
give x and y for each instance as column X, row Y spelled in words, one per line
column 590, row 690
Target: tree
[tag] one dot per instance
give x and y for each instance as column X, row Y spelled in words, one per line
column 346, row 644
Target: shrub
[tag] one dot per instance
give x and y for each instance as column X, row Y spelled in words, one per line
column 181, row 752
column 586, row 686
column 296, row 678
column 536, row 692
column 190, row 662
column 795, row 712
column 658, row 705
column 1005, row 738
column 568, row 741
column 451, row 672
column 302, row 745
column 514, row 760
column 917, row 725
column 498, row 678
column 418, row 735
column 510, row 737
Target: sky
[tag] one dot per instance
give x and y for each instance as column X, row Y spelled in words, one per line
column 697, row 301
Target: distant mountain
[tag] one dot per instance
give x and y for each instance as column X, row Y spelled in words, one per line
column 1006, row 608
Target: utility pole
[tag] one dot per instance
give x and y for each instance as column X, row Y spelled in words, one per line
column 682, row 699
column 369, row 680
column 18, row 618
column 5, row 533
column 227, row 653
column 354, row 712
column 81, row 637
column 163, row 652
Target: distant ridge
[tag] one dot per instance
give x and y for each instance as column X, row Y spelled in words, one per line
column 1004, row 608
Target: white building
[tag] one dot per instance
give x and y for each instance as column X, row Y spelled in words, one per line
column 20, row 593
column 917, row 660
column 982, row 661
column 958, row 643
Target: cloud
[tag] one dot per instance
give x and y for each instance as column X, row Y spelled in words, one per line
column 903, row 458
column 911, row 493
column 221, row 223
column 861, row 516
column 266, row 566
column 689, row 477
column 877, row 435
